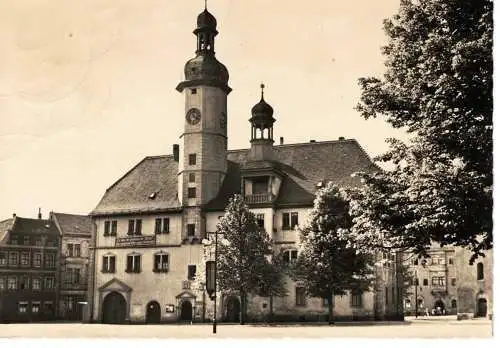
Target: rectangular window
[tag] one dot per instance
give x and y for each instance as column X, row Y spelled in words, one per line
column 157, row 226
column 192, row 159
column 22, row 307
column 50, row 283
column 36, row 284
column 2, row 283
column 3, row 259
column 453, row 281
column 259, row 218
column 131, row 224
column 191, row 192
column 70, row 249
column 48, row 307
column 285, row 223
column 193, row 91
column 50, row 261
column 114, row 227
column 300, row 296
column 192, row 177
column 166, row 225
column 108, row 264
column 38, row 241
column 107, row 229
column 37, row 259
column 24, row 283
column 191, row 230
column 13, row 240
column 12, row 283
column 77, row 250
column 35, row 307
column 13, row 258
column 161, row 263
column 73, row 276
column 133, row 264
column 191, row 272
column 25, row 258
column 356, row 299
column 450, row 261
column 138, row 226
column 294, row 217
column 426, row 282
column 26, row 240
column 438, row 281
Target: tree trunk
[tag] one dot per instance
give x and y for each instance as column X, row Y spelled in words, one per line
column 271, row 314
column 330, row 310
column 243, row 307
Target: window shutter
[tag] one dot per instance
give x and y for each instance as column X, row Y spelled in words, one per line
column 114, row 225
column 286, row 221
column 137, row 264
column 166, row 225
column 130, row 226
column 295, row 219
column 130, row 263
column 157, row 226
column 112, row 264
column 106, row 228
column 138, row 226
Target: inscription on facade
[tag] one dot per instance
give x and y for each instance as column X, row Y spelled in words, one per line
column 130, row 241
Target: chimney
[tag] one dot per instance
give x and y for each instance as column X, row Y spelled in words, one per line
column 176, row 152
column 39, row 213
column 312, row 141
column 281, row 140
column 341, row 138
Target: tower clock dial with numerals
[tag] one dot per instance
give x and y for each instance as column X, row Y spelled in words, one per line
column 193, row 116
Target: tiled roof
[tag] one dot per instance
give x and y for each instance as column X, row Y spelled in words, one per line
column 25, row 225
column 304, row 166
column 70, row 223
column 5, row 226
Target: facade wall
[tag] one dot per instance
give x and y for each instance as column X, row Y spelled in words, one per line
column 457, row 286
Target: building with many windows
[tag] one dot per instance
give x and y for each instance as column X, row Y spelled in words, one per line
column 29, row 257
column 445, row 283
column 150, row 223
column 75, row 232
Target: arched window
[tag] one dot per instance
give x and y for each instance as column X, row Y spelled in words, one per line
column 453, row 303
column 480, row 271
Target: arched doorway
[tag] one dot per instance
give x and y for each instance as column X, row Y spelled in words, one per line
column 482, row 307
column 186, row 311
column 233, row 309
column 153, row 313
column 439, row 307
column 114, row 309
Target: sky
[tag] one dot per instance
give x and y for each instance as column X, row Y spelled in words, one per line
column 87, row 87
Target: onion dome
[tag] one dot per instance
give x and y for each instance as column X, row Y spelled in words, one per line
column 262, row 112
column 206, row 21
column 206, row 67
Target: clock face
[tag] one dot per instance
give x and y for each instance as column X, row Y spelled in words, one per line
column 193, row 116
column 223, row 120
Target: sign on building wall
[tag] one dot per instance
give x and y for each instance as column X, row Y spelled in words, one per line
column 131, row 241
column 170, row 308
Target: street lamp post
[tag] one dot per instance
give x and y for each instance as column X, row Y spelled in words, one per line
column 416, row 294
column 211, row 278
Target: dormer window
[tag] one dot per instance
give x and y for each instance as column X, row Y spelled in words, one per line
column 259, row 185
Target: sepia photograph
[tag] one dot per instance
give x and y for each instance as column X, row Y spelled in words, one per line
column 246, row 169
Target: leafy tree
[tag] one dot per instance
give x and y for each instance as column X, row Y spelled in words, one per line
column 242, row 260
column 272, row 281
column 327, row 263
column 438, row 86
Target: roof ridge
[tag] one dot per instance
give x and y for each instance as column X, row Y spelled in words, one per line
column 324, row 142
column 81, row 215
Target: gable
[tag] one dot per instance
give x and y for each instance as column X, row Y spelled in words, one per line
column 115, row 285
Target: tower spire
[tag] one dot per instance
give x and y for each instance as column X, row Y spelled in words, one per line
column 262, row 86
column 205, row 4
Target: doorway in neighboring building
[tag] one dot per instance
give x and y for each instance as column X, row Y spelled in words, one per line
column 186, row 311
column 153, row 313
column 114, row 309
column 233, row 309
column 482, row 307
column 439, row 307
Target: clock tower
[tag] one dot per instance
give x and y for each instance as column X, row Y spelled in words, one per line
column 203, row 152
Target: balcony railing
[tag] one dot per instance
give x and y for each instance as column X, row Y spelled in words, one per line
column 259, row 198
column 73, row 286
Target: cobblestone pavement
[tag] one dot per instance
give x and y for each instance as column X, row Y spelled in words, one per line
column 410, row 329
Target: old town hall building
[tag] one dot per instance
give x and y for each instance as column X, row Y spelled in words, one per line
column 150, row 223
